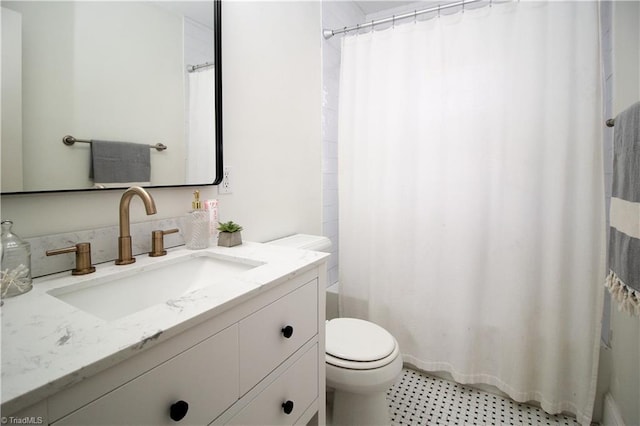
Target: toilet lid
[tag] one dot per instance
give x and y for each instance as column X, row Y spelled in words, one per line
column 358, row 340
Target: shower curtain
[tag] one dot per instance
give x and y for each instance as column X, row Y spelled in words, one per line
column 201, row 155
column 471, row 195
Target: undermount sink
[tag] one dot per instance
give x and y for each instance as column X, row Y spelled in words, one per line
column 124, row 293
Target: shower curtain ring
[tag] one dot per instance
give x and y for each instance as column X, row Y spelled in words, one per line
column 415, row 16
column 438, row 11
column 393, row 21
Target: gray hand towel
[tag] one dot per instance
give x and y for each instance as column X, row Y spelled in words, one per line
column 119, row 162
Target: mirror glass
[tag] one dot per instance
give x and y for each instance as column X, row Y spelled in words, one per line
column 104, row 73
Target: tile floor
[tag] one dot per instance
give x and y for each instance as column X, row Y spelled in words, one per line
column 419, row 399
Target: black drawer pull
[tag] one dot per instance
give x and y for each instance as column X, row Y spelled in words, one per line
column 178, row 410
column 287, row 331
column 287, row 407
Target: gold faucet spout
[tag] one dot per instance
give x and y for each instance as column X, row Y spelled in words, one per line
column 125, row 255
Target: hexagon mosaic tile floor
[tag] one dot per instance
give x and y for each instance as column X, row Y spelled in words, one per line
column 420, row 399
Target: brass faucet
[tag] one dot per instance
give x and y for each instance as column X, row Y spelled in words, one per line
column 125, row 256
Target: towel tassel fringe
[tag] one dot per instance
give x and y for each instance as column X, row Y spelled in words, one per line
column 628, row 299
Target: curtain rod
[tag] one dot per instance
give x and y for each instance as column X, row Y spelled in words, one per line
column 330, row 33
column 192, row 68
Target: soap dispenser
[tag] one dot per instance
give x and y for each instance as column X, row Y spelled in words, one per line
column 197, row 226
column 15, row 275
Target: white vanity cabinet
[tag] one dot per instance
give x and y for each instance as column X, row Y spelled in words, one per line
column 259, row 362
column 194, row 386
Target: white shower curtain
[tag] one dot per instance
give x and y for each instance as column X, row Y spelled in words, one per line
column 201, row 154
column 471, row 195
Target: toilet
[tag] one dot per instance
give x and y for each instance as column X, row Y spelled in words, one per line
column 362, row 359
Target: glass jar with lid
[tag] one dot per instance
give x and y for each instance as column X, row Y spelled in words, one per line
column 15, row 268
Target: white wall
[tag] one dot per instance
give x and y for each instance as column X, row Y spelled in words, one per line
column 272, row 136
column 11, row 138
column 626, row 51
column 198, row 43
column 272, row 115
column 624, row 387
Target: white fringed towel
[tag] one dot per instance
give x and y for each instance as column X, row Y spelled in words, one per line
column 623, row 281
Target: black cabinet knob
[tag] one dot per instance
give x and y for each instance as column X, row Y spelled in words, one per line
column 287, row 407
column 178, row 410
column 287, row 331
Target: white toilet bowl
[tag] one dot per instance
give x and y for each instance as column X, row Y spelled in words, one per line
column 362, row 362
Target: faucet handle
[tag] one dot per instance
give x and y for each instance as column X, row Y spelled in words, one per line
column 157, row 242
column 83, row 257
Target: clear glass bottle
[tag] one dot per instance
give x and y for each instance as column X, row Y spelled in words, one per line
column 15, row 270
column 197, row 226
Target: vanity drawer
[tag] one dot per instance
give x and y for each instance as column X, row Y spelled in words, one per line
column 204, row 376
column 297, row 387
column 272, row 334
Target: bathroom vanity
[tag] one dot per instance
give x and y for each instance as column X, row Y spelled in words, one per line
column 244, row 347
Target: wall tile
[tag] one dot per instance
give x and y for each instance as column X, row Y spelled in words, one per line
column 335, row 14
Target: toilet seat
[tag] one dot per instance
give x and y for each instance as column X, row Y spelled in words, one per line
column 358, row 345
column 360, row 365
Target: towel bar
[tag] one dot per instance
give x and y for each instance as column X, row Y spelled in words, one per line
column 70, row 140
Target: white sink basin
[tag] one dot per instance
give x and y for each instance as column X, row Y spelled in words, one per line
column 124, row 293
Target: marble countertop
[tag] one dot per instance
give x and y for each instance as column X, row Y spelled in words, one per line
column 47, row 342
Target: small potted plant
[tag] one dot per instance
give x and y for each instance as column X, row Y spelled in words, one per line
column 229, row 234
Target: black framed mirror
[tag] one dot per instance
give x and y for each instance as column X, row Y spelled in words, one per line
column 138, row 72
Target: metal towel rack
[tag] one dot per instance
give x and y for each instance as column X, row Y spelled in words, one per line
column 70, row 140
